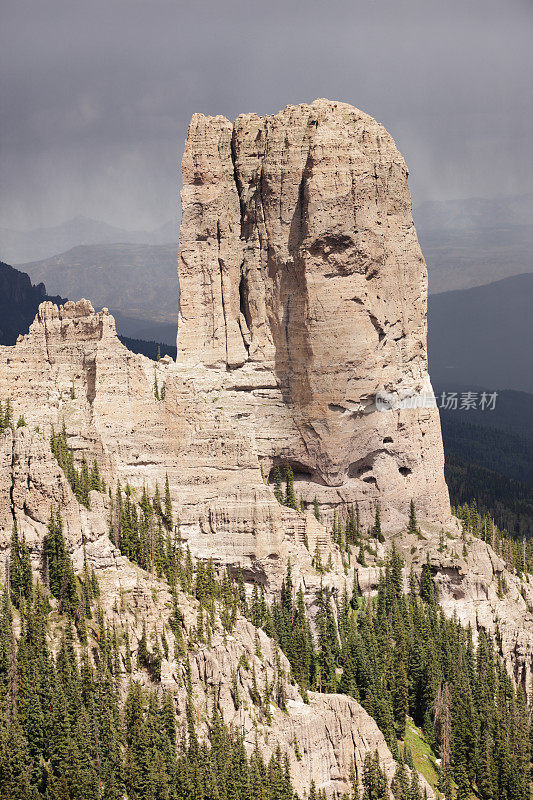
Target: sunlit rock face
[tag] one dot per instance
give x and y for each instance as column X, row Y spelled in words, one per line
column 303, row 284
column 303, row 296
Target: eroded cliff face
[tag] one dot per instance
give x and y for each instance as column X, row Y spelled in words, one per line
column 303, row 295
column 71, row 369
column 325, row 738
column 303, row 286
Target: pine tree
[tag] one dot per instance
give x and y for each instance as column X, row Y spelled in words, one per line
column 428, row 590
column 400, row 695
column 278, row 492
column 290, row 497
column 168, row 505
column 62, row 582
column 142, row 650
column 20, row 573
column 376, row 529
column 412, row 526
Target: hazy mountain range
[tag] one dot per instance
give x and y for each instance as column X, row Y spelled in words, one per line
column 483, row 336
column 17, row 247
column 475, row 241
column 465, row 242
column 470, row 257
column 19, row 301
column 474, row 212
column 139, row 280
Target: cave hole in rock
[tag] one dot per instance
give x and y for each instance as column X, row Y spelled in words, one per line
column 387, row 440
column 301, row 472
column 404, row 471
column 337, row 408
column 359, row 468
column 371, row 480
column 330, row 244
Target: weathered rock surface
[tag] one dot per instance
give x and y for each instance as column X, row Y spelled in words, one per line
column 72, row 369
column 303, row 295
column 324, row 738
column 297, row 245
column 481, row 591
column 303, row 286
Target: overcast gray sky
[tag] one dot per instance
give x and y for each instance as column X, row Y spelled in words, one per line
column 96, row 95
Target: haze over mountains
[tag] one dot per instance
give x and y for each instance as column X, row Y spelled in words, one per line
column 475, row 241
column 138, row 280
column 466, row 243
column 483, row 336
column 474, row 212
column 17, row 247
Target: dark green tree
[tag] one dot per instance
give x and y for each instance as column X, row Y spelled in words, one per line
column 20, row 574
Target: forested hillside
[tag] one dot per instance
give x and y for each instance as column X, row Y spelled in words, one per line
column 75, row 724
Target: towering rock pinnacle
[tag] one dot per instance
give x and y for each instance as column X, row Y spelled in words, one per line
column 303, row 297
column 302, row 281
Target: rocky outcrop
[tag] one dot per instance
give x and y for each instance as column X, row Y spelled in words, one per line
column 71, row 369
column 297, row 244
column 303, row 286
column 303, row 298
column 475, row 585
column 32, row 484
column 324, row 736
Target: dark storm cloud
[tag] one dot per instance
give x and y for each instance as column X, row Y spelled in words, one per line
column 96, row 97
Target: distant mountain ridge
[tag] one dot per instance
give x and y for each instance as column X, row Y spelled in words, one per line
column 475, row 241
column 19, row 301
column 139, row 280
column 146, row 330
column 464, row 258
column 483, row 336
column 17, row 247
column 466, row 243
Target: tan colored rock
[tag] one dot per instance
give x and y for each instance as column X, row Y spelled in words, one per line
column 303, row 295
column 32, row 486
column 304, row 287
column 71, row 369
column 257, row 200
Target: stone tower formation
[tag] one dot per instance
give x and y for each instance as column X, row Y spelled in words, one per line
column 304, row 289
column 303, row 296
column 303, row 302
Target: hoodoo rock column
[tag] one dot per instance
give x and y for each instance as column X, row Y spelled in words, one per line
column 303, row 283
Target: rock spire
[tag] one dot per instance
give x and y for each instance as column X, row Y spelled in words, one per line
column 300, row 269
